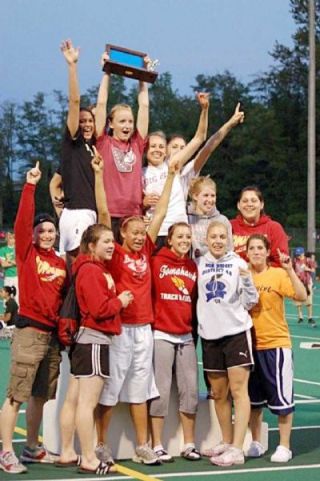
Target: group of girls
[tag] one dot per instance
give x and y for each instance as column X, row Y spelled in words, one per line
column 117, row 355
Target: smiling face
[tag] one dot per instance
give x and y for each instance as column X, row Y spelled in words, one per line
column 180, row 240
column 122, row 123
column 44, row 235
column 104, row 247
column 257, row 254
column 250, row 206
column 217, row 240
column 175, row 145
column 157, row 150
column 86, row 124
column 205, row 200
column 134, row 235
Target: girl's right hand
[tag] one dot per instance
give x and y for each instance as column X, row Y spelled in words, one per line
column 71, row 54
column 126, row 297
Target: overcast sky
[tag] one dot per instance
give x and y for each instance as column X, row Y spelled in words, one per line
column 187, row 36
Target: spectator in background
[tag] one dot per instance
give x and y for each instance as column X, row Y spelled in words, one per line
column 313, row 265
column 8, row 262
column 302, row 269
column 7, row 293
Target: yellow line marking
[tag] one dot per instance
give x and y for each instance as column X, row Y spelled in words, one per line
column 23, row 432
column 135, row 474
column 120, row 469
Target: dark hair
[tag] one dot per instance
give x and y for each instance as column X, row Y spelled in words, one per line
column 176, row 135
column 91, row 236
column 89, row 110
column 255, row 189
column 261, row 237
column 11, row 290
column 172, row 229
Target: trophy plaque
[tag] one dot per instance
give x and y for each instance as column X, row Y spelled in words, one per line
column 130, row 63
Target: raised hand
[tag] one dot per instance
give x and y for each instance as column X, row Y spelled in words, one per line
column 71, row 54
column 34, row 175
column 285, row 260
column 97, row 161
column 238, row 117
column 203, row 99
column 103, row 59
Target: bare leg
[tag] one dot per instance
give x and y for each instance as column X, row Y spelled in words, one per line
column 102, row 416
column 139, row 417
column 89, row 393
column 238, row 378
column 157, row 423
column 223, row 404
column 67, row 421
column 285, row 425
column 256, row 417
column 9, row 415
column 188, row 423
column 34, row 417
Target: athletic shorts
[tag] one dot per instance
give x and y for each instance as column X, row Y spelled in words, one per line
column 182, row 360
column 131, row 373
column 89, row 360
column 271, row 381
column 228, row 352
column 72, row 224
column 35, row 364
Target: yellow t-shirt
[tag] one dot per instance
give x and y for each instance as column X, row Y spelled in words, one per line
column 270, row 328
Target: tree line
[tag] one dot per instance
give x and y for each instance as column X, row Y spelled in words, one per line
column 269, row 149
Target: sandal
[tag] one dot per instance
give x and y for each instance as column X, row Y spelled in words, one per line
column 68, row 464
column 100, row 470
column 191, row 454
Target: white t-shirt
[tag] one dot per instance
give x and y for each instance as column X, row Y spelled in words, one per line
column 154, row 178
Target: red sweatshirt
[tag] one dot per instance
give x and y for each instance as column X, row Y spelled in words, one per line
column 174, row 288
column 41, row 273
column 96, row 294
column 266, row 226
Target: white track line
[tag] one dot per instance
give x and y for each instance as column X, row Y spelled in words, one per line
column 306, row 337
column 304, row 396
column 304, row 381
column 297, row 428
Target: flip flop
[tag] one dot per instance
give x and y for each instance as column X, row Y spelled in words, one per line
column 68, row 464
column 102, row 469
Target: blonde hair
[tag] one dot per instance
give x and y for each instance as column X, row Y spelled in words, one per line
column 217, row 223
column 117, row 107
column 197, row 184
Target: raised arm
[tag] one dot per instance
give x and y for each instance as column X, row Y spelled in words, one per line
column 215, row 140
column 101, row 199
column 162, row 205
column 200, row 136
column 102, row 100
column 286, row 264
column 56, row 193
column 71, row 54
column 143, row 110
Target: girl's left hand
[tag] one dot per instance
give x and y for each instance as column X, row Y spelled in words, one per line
column 285, row 260
column 244, row 272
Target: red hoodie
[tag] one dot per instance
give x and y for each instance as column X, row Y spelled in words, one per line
column 96, row 294
column 174, row 288
column 266, row 226
column 41, row 273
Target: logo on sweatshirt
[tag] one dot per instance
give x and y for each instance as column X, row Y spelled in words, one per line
column 183, row 294
column 48, row 273
column 215, row 288
column 124, row 161
column 137, row 266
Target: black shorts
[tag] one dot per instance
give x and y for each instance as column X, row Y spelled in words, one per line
column 89, row 360
column 227, row 352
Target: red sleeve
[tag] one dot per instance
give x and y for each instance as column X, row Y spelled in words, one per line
column 278, row 240
column 92, row 287
column 23, row 227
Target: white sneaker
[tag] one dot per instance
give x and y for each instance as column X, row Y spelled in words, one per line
column 9, row 463
column 104, row 454
column 228, row 458
column 216, row 450
column 256, row 450
column 281, row 455
column 145, row 455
